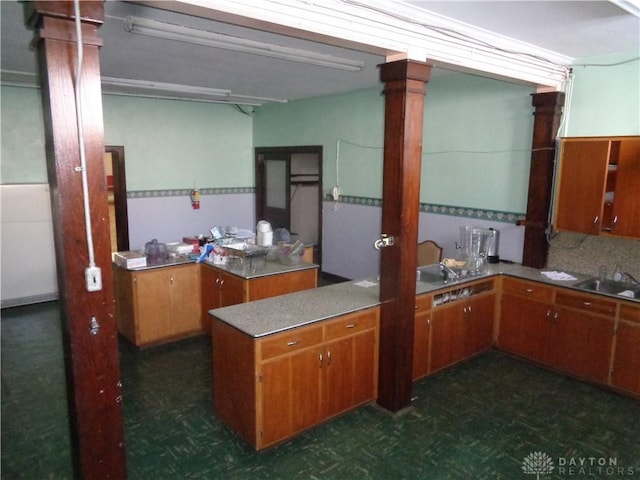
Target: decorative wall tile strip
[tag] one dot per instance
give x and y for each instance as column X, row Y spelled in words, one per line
column 467, row 212
column 187, row 192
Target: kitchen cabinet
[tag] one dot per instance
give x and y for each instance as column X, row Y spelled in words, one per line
column 271, row 388
column 583, row 334
column 462, row 324
column 221, row 288
column 567, row 330
column 422, row 336
column 598, row 181
column 625, row 372
column 525, row 321
column 158, row 304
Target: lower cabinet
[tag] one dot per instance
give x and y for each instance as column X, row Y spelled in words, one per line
column 158, row 304
column 625, row 372
column 459, row 327
column 222, row 289
column 275, row 387
column 567, row 330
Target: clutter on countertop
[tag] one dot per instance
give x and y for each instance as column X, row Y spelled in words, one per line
column 553, row 275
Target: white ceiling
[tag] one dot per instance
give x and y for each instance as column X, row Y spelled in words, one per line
column 574, row 29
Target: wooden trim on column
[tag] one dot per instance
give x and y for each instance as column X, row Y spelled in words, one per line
column 404, row 107
column 548, row 114
column 89, row 326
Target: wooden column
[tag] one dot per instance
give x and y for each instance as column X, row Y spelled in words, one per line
column 404, row 106
column 548, row 112
column 89, row 327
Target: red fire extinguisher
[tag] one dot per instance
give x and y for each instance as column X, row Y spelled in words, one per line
column 195, row 198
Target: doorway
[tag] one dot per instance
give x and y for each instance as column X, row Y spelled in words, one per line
column 289, row 192
column 117, row 191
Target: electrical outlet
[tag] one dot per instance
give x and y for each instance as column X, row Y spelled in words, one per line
column 93, row 277
column 336, row 193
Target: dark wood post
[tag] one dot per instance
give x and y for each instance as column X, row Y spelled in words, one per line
column 548, row 113
column 404, row 106
column 89, row 327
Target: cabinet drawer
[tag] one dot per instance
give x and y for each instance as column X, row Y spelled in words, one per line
column 630, row 313
column 528, row 289
column 351, row 324
column 423, row 303
column 588, row 303
column 290, row 341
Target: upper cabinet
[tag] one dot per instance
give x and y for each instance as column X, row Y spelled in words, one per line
column 598, row 185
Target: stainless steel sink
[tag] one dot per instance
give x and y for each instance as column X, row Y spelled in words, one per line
column 610, row 287
column 436, row 273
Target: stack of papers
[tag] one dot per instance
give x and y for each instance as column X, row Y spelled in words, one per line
column 558, row 275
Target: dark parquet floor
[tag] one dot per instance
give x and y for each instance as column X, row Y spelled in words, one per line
column 478, row 420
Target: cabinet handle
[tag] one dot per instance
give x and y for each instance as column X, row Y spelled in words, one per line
column 222, row 282
column 555, row 316
column 595, row 220
column 352, row 325
column 293, row 343
column 586, row 304
column 615, row 220
column 469, row 309
column 218, row 281
column 328, row 357
column 171, row 279
column 428, row 321
column 548, row 313
column 320, row 355
column 528, row 290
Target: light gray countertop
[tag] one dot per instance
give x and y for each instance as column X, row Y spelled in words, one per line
column 277, row 314
column 259, row 267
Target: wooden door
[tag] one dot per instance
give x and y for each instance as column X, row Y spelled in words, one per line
column 479, row 330
column 339, row 376
column 185, row 299
column 209, row 294
column 232, row 289
column 448, row 332
column 582, row 184
column 626, row 201
column 626, row 361
column 291, row 395
column 525, row 327
column 153, row 305
column 421, row 341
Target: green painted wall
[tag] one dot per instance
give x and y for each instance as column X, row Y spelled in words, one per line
column 22, row 134
column 176, row 144
column 168, row 144
column 477, row 136
column 605, row 99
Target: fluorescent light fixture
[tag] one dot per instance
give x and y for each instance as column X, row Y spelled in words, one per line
column 174, row 91
column 227, row 42
column 629, row 6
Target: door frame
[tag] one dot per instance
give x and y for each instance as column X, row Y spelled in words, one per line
column 119, row 196
column 287, row 153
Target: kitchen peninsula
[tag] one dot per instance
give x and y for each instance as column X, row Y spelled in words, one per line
column 170, row 300
column 286, row 364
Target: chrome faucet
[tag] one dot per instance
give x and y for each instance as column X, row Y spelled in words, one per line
column 448, row 273
column 618, row 275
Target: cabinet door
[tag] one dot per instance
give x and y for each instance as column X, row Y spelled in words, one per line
column 525, row 327
column 152, row 306
column 447, row 336
column 232, row 289
column 349, row 372
column 582, row 344
column 582, row 178
column 291, row 395
column 421, row 340
column 185, row 299
column 478, row 314
column 626, row 201
column 626, row 361
column 209, row 292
